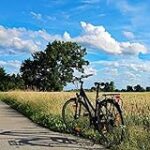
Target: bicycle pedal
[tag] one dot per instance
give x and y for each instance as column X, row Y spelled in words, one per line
column 77, row 129
column 74, row 105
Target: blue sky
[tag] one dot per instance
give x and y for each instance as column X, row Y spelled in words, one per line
column 115, row 33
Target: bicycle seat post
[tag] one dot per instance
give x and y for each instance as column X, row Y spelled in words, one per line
column 81, row 82
column 97, row 89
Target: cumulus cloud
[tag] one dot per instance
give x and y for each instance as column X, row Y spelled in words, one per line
column 18, row 40
column 98, row 37
column 14, row 40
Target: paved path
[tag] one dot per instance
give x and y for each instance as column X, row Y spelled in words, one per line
column 19, row 133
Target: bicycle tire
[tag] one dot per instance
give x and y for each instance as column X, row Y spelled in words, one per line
column 74, row 121
column 110, row 125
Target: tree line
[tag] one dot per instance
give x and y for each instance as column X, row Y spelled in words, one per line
column 136, row 88
column 51, row 70
column 110, row 87
column 10, row 82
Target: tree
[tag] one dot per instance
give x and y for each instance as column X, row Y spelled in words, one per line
column 3, row 79
column 27, row 70
column 123, row 90
column 2, row 73
column 112, row 86
column 129, row 88
column 138, row 88
column 16, row 82
column 109, row 87
column 117, row 90
column 93, row 89
column 53, row 68
column 10, row 82
column 148, row 89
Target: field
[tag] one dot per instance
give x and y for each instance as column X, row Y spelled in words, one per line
column 45, row 109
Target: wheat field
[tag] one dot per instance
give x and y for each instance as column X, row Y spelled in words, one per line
column 136, row 112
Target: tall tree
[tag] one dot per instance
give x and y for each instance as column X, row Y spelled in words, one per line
column 27, row 72
column 52, row 68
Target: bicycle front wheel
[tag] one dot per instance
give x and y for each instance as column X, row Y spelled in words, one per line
column 76, row 116
column 110, row 122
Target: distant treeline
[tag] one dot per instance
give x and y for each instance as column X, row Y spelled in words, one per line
column 16, row 82
column 110, row 87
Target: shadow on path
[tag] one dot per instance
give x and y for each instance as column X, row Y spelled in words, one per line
column 45, row 139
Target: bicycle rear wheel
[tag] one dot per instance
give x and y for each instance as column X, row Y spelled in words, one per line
column 110, row 122
column 76, row 116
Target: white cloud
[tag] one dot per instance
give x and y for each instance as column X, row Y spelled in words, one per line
column 14, row 40
column 17, row 40
column 111, row 71
column 98, row 37
column 11, row 63
column 90, row 1
column 129, row 63
column 128, row 35
column 67, row 36
column 132, row 48
column 89, row 70
column 141, row 67
column 37, row 16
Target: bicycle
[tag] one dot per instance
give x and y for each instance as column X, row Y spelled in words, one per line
column 80, row 116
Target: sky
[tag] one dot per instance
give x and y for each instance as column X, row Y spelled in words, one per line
column 114, row 32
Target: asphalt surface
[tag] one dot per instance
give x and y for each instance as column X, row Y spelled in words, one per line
column 19, row 133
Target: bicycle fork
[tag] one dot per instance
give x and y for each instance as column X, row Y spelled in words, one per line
column 77, row 109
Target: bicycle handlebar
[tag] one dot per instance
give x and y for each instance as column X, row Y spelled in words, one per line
column 86, row 76
column 82, row 77
column 99, row 84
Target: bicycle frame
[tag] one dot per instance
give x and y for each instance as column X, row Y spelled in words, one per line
column 83, row 97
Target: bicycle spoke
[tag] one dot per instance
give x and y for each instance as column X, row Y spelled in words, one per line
column 76, row 119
